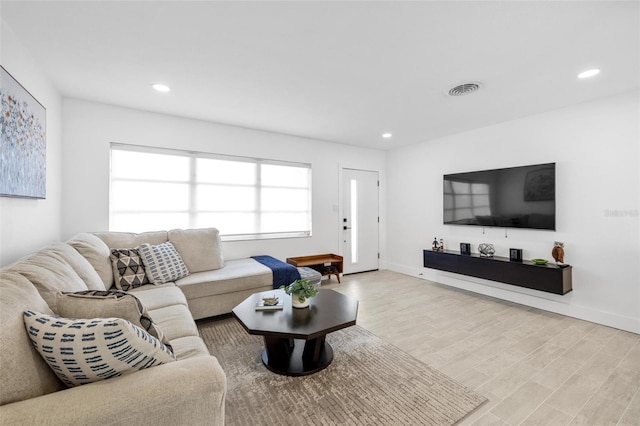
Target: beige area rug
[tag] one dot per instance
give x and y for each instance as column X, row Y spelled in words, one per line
column 369, row 382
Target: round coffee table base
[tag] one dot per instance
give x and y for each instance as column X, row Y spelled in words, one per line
column 296, row 364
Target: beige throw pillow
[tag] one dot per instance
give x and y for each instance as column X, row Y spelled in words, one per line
column 108, row 304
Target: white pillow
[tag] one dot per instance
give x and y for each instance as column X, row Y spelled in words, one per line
column 82, row 351
column 162, row 262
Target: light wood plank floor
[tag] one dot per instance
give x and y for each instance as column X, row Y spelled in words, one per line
column 535, row 367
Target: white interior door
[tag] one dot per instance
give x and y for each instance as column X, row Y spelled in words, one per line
column 360, row 220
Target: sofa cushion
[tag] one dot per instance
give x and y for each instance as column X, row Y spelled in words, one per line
column 189, row 347
column 200, row 248
column 50, row 273
column 84, row 351
column 83, row 268
column 175, row 321
column 128, row 270
column 162, row 262
column 130, row 239
column 30, row 376
column 159, row 296
column 108, row 304
column 237, row 275
column 96, row 252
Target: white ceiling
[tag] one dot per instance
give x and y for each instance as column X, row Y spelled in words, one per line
column 337, row 71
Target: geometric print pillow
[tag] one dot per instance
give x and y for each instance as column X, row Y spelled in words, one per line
column 82, row 351
column 108, row 304
column 128, row 269
column 162, row 262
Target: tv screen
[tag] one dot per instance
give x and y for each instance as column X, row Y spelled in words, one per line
column 515, row 197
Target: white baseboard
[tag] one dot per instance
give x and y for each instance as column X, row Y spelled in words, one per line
column 536, row 299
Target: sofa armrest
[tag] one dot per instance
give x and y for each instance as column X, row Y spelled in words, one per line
column 190, row 391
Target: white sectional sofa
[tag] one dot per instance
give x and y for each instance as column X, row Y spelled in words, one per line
column 214, row 285
column 190, row 390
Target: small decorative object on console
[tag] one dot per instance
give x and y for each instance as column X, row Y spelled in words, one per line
column 486, row 250
column 435, row 246
column 301, row 291
column 558, row 251
column 441, row 246
column 465, row 248
column 515, row 255
column 540, row 261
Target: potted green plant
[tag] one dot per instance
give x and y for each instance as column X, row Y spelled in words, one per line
column 301, row 291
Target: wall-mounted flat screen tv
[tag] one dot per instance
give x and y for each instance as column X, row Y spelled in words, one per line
column 515, row 197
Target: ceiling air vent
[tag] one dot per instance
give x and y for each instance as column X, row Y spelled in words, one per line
column 464, row 89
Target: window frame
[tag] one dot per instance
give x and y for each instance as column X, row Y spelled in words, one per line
column 193, row 184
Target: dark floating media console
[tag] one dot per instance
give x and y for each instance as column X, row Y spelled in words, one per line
column 549, row 278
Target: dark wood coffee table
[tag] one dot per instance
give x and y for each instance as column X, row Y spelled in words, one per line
column 294, row 339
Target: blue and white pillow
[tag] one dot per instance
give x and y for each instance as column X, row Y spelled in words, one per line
column 162, row 262
column 82, row 351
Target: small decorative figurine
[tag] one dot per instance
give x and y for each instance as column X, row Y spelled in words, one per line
column 441, row 246
column 435, row 245
column 558, row 251
column 486, row 250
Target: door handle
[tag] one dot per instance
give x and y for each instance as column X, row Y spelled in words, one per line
column 345, row 228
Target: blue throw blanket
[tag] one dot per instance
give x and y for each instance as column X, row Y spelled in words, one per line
column 283, row 273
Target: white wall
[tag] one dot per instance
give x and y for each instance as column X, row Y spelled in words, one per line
column 595, row 146
column 89, row 128
column 596, row 150
column 29, row 224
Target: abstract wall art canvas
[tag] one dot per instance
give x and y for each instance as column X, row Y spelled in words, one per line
column 23, row 143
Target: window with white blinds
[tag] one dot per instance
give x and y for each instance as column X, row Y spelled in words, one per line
column 245, row 198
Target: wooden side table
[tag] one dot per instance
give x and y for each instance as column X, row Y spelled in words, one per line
column 326, row 264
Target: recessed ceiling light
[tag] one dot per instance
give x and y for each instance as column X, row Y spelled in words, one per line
column 161, row 87
column 386, row 135
column 589, row 73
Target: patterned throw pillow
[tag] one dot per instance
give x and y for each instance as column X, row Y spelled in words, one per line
column 108, row 304
column 128, row 269
column 162, row 262
column 82, row 351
